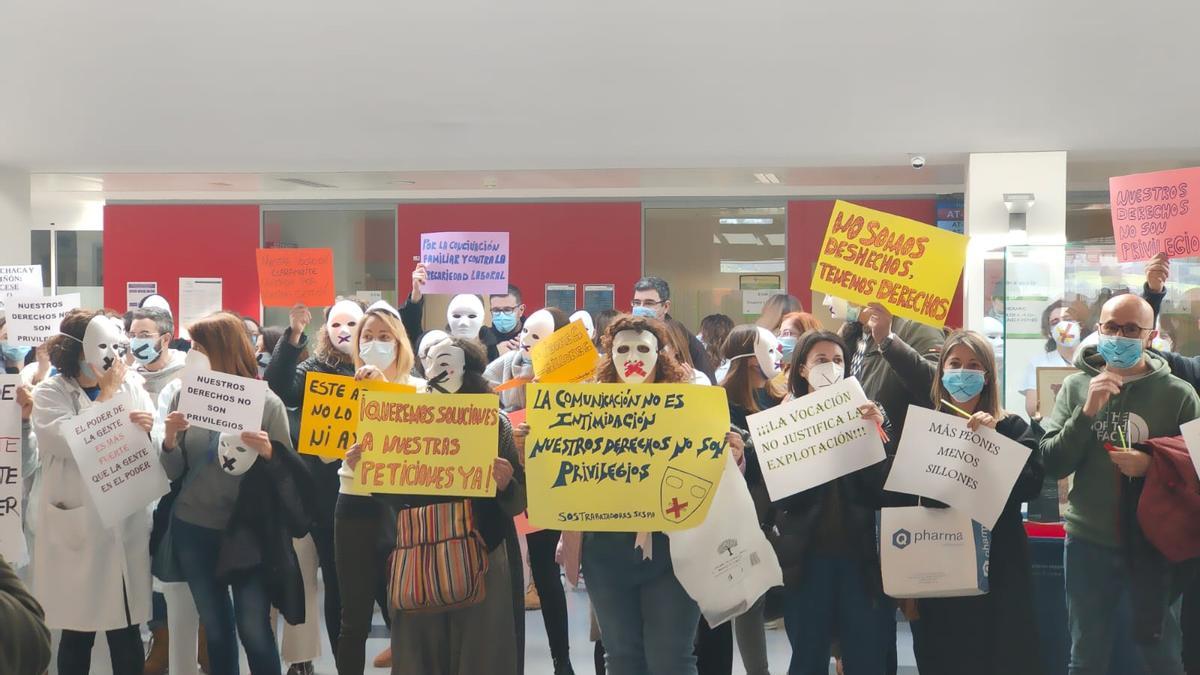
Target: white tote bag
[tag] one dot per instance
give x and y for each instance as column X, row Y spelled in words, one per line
column 932, row 553
column 726, row 563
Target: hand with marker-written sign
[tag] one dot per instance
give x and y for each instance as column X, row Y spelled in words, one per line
column 981, row 419
column 259, row 442
column 1157, row 272
column 369, row 373
column 298, row 319
column 737, row 446
column 1102, row 387
column 353, row 454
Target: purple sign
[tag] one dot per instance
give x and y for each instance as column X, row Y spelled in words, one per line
column 465, row 262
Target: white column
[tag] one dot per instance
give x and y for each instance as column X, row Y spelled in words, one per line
column 15, row 218
column 989, row 177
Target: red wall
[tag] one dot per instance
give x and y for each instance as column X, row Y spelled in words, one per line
column 807, row 221
column 164, row 242
column 583, row 243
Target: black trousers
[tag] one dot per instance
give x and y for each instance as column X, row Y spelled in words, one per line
column 546, row 577
column 1191, row 628
column 714, row 648
column 322, row 535
column 124, row 646
column 360, row 523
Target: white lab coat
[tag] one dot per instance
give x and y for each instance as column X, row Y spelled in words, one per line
column 84, row 573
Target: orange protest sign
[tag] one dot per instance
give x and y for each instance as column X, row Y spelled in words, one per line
column 1151, row 214
column 567, row 356
column 287, row 276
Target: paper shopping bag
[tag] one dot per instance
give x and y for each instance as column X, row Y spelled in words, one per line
column 932, row 553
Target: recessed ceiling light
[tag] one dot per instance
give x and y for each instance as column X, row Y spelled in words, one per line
column 305, row 182
column 401, row 181
column 742, row 239
column 746, row 221
column 767, row 178
column 222, row 184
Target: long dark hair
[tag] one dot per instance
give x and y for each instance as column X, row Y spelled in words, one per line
column 714, row 328
column 738, row 382
column 797, row 383
column 66, row 350
column 474, row 363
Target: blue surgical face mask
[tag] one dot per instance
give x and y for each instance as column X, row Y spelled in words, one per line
column 13, row 353
column 645, row 312
column 504, row 323
column 145, row 350
column 1120, row 351
column 962, row 384
column 787, row 345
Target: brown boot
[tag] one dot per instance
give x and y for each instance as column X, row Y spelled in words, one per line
column 202, row 651
column 157, row 658
column 383, row 659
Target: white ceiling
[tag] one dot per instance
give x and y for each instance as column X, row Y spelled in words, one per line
column 147, row 86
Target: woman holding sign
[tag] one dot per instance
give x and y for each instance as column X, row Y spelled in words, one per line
column 88, row 577
column 994, row 633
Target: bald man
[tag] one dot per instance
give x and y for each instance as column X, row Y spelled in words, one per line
column 1125, row 394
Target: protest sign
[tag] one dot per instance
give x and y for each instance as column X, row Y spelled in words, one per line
column 329, row 418
column 1152, row 213
column 287, row 276
column 814, row 439
column 428, row 444
column 465, row 262
column 907, row 266
column 32, row 321
column 972, row 471
column 220, row 402
column 932, row 553
column 12, row 538
column 567, row 355
column 137, row 291
column 624, row 458
column 116, row 459
column 20, row 280
column 1191, row 438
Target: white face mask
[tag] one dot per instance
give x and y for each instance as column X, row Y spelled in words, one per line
column 447, row 362
column 588, row 324
column 1066, row 333
column 377, row 353
column 635, row 354
column 234, row 458
column 344, row 317
column 101, row 344
column 767, row 352
column 465, row 316
column 196, row 361
column 537, row 327
column 824, row 374
column 426, row 345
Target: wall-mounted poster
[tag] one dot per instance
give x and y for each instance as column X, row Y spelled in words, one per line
column 561, row 296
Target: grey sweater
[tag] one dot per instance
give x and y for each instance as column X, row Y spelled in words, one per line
column 209, row 494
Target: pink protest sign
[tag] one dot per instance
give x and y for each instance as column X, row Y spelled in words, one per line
column 465, row 262
column 1152, row 213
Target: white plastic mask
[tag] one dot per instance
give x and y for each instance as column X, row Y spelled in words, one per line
column 101, row 344
column 157, row 302
column 824, row 374
column 767, row 352
column 447, row 362
column 1066, row 333
column 465, row 316
column 635, row 354
column 385, row 306
column 426, row 345
column 586, row 318
column 235, row 459
column 344, row 317
column 537, row 327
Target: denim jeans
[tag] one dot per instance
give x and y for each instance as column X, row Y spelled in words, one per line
column 832, row 599
column 248, row 615
column 647, row 621
column 1096, row 580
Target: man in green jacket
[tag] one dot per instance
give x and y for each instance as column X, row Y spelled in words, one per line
column 1124, row 394
column 24, row 638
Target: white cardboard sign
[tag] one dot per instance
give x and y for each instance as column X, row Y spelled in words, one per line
column 220, row 402
column 33, row 320
column 972, row 471
column 815, row 439
column 12, row 538
column 1191, row 437
column 20, row 280
column 118, row 462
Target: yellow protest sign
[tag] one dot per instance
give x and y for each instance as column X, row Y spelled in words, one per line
column 330, row 414
column 624, row 458
column 907, row 266
column 426, row 444
column 568, row 355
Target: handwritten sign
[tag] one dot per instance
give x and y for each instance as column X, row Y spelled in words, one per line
column 220, row 402
column 972, row 471
column 20, row 280
column 624, row 458
column 329, row 419
column 1152, row 213
column 428, row 444
column 465, row 262
column 118, row 462
column 287, row 276
column 12, row 538
column 567, row 355
column 814, row 439
column 32, row 321
column 907, row 266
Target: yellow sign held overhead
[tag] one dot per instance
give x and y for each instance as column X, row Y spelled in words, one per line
column 330, row 414
column 567, row 355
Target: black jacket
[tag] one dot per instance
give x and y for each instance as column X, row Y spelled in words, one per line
column 492, row 338
column 286, row 377
column 268, row 514
column 24, row 638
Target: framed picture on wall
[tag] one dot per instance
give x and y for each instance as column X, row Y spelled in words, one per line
column 1049, row 381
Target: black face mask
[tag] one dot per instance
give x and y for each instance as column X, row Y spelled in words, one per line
column 436, row 383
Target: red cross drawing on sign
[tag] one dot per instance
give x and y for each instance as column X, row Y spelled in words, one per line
column 676, row 508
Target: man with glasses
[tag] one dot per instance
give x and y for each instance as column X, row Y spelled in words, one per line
column 150, row 331
column 1124, row 394
column 508, row 316
column 652, row 300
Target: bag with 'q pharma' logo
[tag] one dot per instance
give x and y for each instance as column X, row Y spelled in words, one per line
column 932, row 553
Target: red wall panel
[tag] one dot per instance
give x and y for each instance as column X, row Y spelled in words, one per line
column 807, row 221
column 579, row 243
column 164, row 242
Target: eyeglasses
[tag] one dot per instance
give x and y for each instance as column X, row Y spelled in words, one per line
column 143, row 335
column 504, row 310
column 1129, row 330
column 645, row 303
